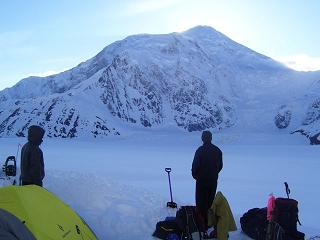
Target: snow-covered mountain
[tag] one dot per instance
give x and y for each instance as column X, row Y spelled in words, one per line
column 193, row 80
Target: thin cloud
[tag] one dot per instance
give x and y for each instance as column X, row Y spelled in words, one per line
column 144, row 6
column 15, row 43
column 300, row 62
column 47, row 73
column 14, row 37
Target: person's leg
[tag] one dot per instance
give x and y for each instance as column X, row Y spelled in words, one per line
column 26, row 183
column 201, row 204
column 211, row 194
column 39, row 183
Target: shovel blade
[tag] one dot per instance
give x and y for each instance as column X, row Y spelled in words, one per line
column 171, row 204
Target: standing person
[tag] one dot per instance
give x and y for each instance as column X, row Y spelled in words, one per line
column 206, row 165
column 32, row 164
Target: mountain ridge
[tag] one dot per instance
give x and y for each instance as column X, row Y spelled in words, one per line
column 197, row 79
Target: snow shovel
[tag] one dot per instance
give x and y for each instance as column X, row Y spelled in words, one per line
column 171, row 204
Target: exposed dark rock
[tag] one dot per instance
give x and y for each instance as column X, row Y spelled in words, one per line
column 48, row 114
column 100, row 127
column 68, row 120
column 283, row 118
column 23, row 131
column 72, row 132
column 117, row 95
column 315, row 139
column 313, row 113
column 6, row 121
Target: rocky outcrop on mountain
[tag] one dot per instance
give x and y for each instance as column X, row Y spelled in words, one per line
column 313, row 113
column 129, row 95
column 57, row 116
column 311, row 123
column 283, row 118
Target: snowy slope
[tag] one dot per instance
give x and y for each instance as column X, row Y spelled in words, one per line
column 119, row 186
column 194, row 80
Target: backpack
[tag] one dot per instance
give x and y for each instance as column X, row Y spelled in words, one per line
column 254, row 223
column 285, row 213
column 188, row 221
column 167, row 230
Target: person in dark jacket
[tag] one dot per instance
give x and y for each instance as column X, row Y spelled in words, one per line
column 32, row 164
column 206, row 165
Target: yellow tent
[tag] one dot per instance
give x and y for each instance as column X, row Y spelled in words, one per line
column 45, row 215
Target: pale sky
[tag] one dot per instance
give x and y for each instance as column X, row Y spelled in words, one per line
column 40, row 38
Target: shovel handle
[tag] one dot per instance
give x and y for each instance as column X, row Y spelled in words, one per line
column 167, row 170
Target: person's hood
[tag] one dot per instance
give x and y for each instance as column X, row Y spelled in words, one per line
column 35, row 134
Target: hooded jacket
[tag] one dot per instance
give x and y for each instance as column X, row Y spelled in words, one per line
column 32, row 164
column 220, row 216
column 207, row 163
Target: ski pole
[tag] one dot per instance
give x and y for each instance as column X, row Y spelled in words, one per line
column 19, row 145
column 20, row 181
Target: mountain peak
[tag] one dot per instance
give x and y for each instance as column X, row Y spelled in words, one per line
column 198, row 79
column 202, row 30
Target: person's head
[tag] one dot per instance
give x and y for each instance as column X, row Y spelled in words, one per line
column 35, row 134
column 206, row 137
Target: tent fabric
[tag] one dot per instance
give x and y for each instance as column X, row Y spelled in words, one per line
column 11, row 228
column 44, row 214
